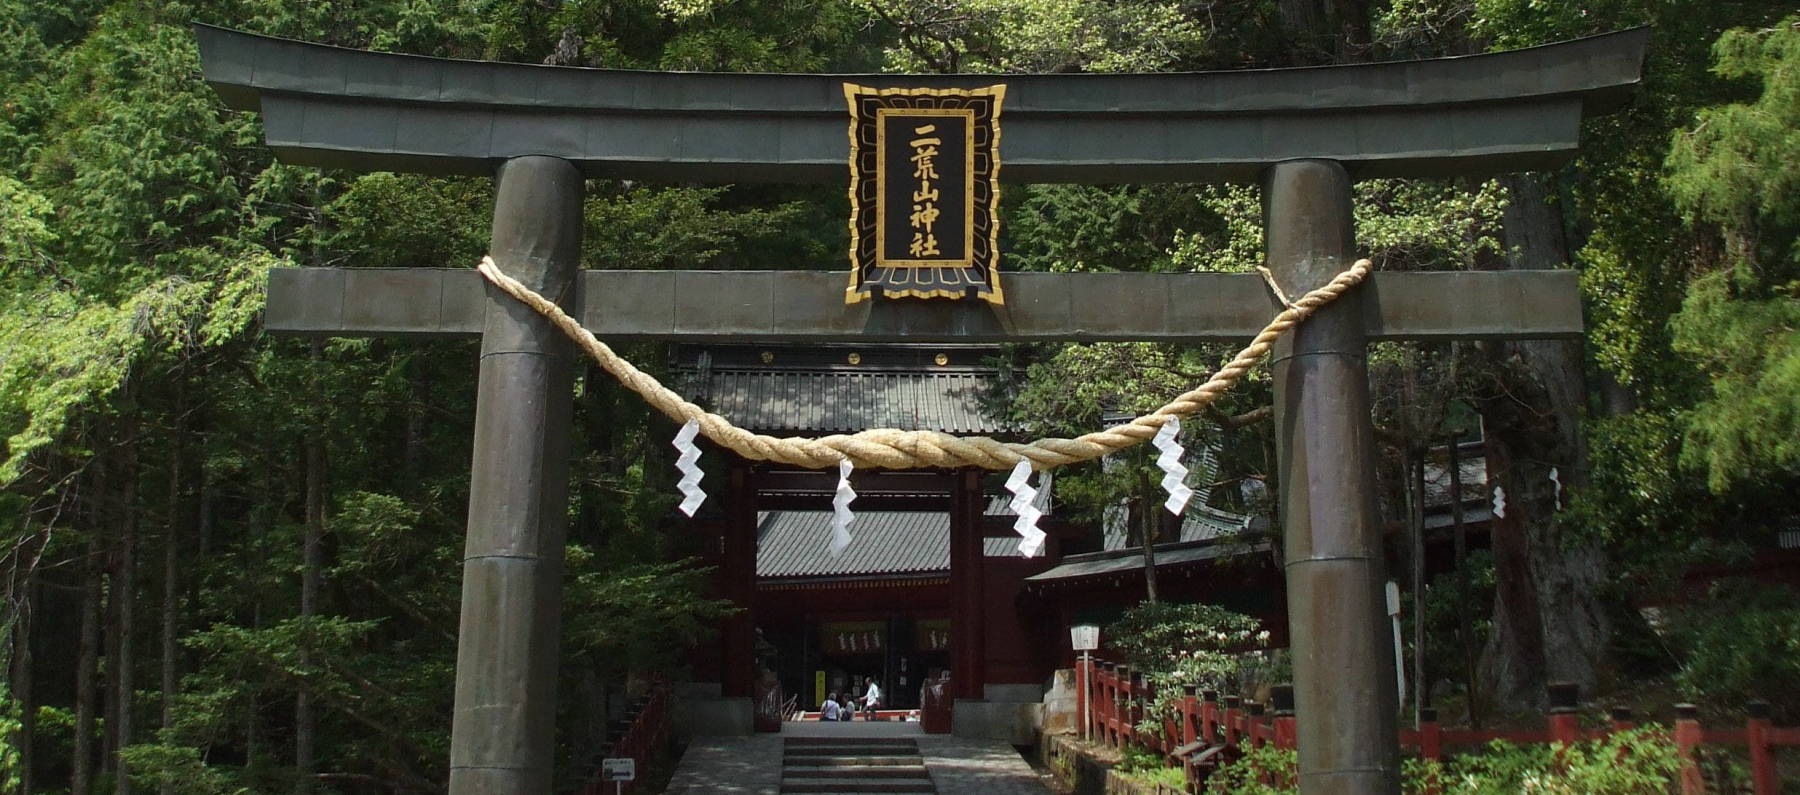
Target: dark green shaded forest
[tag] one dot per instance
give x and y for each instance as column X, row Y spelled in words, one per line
column 232, row 561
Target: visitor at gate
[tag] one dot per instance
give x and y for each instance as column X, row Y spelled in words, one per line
column 830, row 710
column 871, row 698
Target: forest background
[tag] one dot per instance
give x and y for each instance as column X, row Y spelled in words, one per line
column 232, row 560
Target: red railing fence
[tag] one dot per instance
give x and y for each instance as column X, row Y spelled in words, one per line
column 639, row 737
column 1205, row 731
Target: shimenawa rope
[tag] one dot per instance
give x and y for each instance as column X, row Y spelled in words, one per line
column 889, row 448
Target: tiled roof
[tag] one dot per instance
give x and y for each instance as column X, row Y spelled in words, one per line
column 844, row 390
column 846, row 401
column 796, row 544
column 1094, row 564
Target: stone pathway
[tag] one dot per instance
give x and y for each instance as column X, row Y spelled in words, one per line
column 960, row 765
column 752, row 765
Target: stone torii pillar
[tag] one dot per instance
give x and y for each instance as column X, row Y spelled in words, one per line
column 1325, row 448
column 1305, row 132
column 501, row 735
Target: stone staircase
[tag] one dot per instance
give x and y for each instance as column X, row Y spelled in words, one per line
column 853, row 764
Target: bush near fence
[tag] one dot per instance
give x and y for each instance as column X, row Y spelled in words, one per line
column 1203, row 731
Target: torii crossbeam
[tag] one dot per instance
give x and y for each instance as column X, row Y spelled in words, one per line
column 1305, row 134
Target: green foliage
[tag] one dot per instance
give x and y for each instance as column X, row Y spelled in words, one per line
column 1636, row 762
column 1177, row 645
column 10, row 725
column 1739, row 645
column 1260, row 771
column 1148, row 767
column 1737, row 172
column 638, row 616
column 177, row 766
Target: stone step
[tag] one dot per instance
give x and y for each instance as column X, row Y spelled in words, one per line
column 855, row 785
column 851, row 761
column 858, row 771
column 846, row 750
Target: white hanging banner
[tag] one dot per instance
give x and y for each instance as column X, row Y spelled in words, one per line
column 686, row 464
column 840, row 509
column 1174, row 474
column 1024, row 503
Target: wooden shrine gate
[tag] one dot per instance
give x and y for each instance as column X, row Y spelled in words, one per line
column 540, row 131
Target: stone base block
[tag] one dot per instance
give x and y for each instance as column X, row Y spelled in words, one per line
column 1011, row 722
column 710, row 717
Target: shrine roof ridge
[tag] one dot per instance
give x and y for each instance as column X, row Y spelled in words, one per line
column 336, row 107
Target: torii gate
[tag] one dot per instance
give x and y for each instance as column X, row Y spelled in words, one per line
column 1305, row 134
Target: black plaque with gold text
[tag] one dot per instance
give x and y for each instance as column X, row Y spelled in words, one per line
column 924, row 192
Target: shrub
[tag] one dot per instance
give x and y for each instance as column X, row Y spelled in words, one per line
column 1637, row 762
column 1202, row 645
column 1742, row 644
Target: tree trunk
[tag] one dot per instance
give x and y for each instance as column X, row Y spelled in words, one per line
column 126, row 594
column 22, row 681
column 309, row 596
column 81, row 773
column 171, row 592
column 1549, row 624
column 1149, row 522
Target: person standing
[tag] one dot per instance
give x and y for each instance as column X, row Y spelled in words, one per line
column 871, row 698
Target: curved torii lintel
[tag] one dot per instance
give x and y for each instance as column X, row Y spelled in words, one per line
column 1480, row 114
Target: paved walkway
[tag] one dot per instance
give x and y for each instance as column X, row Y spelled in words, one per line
column 752, row 765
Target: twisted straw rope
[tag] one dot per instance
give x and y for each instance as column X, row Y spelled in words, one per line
column 889, row 448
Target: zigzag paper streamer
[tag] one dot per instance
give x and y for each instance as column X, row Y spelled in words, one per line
column 1558, row 482
column 1024, row 503
column 1175, row 475
column 1500, row 502
column 691, row 494
column 840, row 509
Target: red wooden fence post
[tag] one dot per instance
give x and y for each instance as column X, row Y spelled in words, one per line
column 1107, row 698
column 1565, row 720
column 1256, row 727
column 1620, row 717
column 1687, row 743
column 1232, row 713
column 1209, row 716
column 1135, row 714
column 1431, row 745
column 1122, row 707
column 1083, row 680
column 1188, row 701
column 1281, row 702
column 1763, row 778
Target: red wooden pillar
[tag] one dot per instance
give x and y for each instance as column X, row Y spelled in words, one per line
column 968, row 626
column 1763, row 778
column 737, row 637
column 1687, row 744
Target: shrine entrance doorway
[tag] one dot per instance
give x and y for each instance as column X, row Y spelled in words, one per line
column 931, row 581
